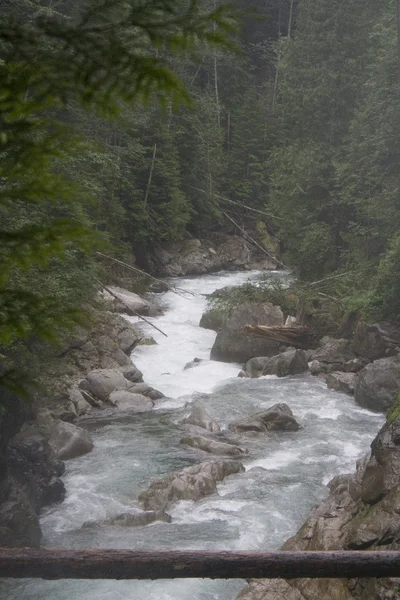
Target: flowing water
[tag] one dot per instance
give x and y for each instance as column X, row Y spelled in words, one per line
column 285, row 473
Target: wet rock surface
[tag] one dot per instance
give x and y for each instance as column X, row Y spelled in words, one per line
column 191, row 483
column 277, row 418
column 341, row 382
column 291, row 362
column 213, row 446
column 137, row 518
column 199, row 417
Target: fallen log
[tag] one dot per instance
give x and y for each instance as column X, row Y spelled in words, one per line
column 129, row 564
column 299, row 336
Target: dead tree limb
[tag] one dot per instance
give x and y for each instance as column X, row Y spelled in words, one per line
column 129, row 309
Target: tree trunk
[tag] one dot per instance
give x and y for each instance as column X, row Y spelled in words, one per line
column 289, row 33
column 150, row 175
column 129, row 564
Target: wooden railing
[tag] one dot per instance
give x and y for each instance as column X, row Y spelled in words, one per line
column 129, row 564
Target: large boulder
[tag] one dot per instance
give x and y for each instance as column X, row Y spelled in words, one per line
column 233, row 344
column 378, row 383
column 333, row 352
column 191, row 483
column 291, row 362
column 200, row 418
column 277, row 418
column 375, row 340
column 126, row 400
column 127, row 302
column 135, row 518
column 341, row 382
column 69, row 441
column 101, row 382
column 207, row 444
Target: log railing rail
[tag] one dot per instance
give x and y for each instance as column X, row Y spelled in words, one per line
column 130, row 564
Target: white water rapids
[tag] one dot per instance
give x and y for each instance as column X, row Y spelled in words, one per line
column 259, row 509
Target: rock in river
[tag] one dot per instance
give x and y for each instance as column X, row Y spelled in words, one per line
column 213, row 446
column 277, row 418
column 200, row 418
column 192, row 483
column 233, row 344
column 291, row 362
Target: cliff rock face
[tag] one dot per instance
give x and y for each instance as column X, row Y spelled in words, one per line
column 360, row 513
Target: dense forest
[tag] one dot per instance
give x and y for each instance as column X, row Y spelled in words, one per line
column 129, row 124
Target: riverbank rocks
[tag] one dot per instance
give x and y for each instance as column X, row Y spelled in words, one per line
column 137, row 518
column 378, row 383
column 332, row 354
column 233, row 345
column 219, row 251
column 102, row 382
column 199, row 417
column 341, row 382
column 277, row 418
column 30, row 480
column 376, row 340
column 212, row 446
column 126, row 400
column 361, row 512
column 192, row 483
column 291, row 362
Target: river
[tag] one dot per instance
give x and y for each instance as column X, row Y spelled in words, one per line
column 259, row 509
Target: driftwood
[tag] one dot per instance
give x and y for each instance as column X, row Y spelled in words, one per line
column 298, row 336
column 129, row 564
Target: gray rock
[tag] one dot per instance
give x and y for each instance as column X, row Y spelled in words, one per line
column 132, row 374
column 137, row 518
column 126, row 400
column 334, row 351
column 191, row 483
column 213, row 446
column 355, row 365
column 375, row 340
column 69, row 441
column 193, row 363
column 146, row 390
column 315, row 367
column 341, row 382
column 200, row 418
column 129, row 302
column 277, row 418
column 82, row 406
column 102, row 382
column 233, row 344
column 158, row 287
column 378, row 384
column 291, row 362
column 127, row 341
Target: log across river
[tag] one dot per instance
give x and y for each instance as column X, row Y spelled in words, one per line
column 253, row 511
